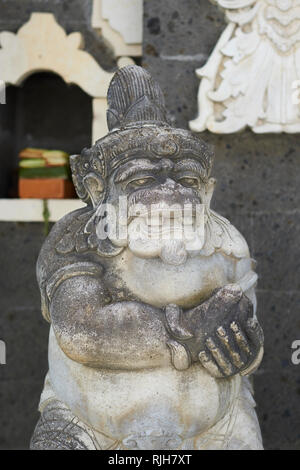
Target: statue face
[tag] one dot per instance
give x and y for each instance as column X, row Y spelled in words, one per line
column 165, row 201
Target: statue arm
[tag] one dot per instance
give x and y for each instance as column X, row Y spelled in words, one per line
column 93, row 331
column 246, row 278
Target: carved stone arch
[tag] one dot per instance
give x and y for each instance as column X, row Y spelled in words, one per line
column 41, row 44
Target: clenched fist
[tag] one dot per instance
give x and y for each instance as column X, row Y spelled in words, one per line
column 221, row 332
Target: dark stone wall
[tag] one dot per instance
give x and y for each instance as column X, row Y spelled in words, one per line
column 24, row 331
column 258, row 190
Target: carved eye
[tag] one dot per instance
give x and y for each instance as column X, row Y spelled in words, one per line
column 189, row 182
column 142, row 181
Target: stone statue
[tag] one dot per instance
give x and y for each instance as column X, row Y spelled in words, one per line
column 153, row 331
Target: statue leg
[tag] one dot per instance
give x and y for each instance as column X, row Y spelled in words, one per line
column 59, row 429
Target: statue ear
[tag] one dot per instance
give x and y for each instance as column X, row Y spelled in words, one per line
column 209, row 189
column 94, row 184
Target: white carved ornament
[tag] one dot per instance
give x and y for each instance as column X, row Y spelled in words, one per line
column 252, row 77
column 120, row 22
column 41, row 44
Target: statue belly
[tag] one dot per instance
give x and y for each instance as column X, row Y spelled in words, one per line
column 188, row 285
column 133, row 404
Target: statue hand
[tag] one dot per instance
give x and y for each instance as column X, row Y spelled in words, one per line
column 221, row 332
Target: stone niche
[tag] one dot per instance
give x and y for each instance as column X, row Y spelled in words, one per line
column 50, row 80
column 43, row 112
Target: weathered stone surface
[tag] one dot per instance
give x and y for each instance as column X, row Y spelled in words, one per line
column 172, row 29
column 171, row 317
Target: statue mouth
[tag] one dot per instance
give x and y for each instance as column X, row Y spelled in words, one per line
column 163, row 217
column 171, row 228
column 169, row 238
column 160, row 230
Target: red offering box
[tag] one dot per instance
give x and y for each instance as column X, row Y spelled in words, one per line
column 46, row 188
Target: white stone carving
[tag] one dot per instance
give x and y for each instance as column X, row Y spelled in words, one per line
column 41, row 44
column 252, row 75
column 120, row 22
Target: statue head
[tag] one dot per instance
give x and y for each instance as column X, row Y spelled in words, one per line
column 146, row 161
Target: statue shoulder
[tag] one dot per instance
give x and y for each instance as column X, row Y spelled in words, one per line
column 222, row 236
column 61, row 241
column 65, row 254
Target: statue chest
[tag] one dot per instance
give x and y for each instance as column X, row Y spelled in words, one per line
column 159, row 284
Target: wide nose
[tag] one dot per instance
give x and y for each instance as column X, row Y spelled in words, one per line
column 169, row 183
column 169, row 189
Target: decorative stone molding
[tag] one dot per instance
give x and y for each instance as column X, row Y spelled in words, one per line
column 41, row 44
column 121, row 24
column 252, row 75
column 31, row 210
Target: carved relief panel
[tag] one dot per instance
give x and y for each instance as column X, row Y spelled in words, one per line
column 252, row 75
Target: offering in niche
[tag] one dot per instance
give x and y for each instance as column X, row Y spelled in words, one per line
column 44, row 174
